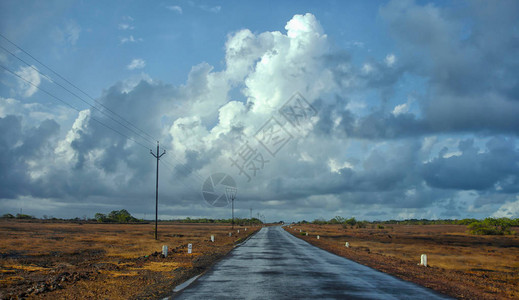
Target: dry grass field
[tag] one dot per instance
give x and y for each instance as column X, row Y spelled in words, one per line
column 43, row 260
column 461, row 265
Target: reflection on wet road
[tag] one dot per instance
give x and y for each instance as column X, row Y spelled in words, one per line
column 275, row 265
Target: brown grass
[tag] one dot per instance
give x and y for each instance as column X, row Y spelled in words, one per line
column 460, row 264
column 105, row 261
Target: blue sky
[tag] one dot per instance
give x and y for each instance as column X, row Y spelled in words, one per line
column 415, row 103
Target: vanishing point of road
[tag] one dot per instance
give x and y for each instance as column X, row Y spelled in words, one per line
column 276, row 265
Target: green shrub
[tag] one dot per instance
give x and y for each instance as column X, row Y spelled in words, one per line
column 362, row 224
column 351, row 221
column 466, row 221
column 24, row 216
column 7, row 216
column 491, row 226
column 319, row 222
column 116, row 216
column 337, row 220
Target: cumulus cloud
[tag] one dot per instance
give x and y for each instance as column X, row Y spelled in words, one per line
column 136, row 63
column 508, row 210
column 23, row 149
column 390, row 60
column 471, row 73
column 366, row 149
column 29, row 82
column 403, row 108
column 473, row 169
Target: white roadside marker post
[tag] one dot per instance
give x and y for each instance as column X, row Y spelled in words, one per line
column 238, row 231
column 189, row 248
column 165, row 250
column 212, row 238
column 317, row 237
column 307, row 234
column 230, row 234
column 423, row 260
column 347, row 245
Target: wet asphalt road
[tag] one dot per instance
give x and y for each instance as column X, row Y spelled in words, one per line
column 275, row 265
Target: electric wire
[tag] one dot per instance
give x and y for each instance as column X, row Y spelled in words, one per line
column 77, row 96
column 186, row 168
column 73, row 85
column 73, row 107
column 171, row 169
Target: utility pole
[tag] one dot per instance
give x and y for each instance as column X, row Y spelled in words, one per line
column 231, row 192
column 157, row 186
column 251, row 216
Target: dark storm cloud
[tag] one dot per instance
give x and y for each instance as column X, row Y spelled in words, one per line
column 384, row 178
column 469, row 57
column 473, row 170
column 12, row 174
column 140, row 107
column 119, row 164
column 380, row 125
column 18, row 146
column 469, row 71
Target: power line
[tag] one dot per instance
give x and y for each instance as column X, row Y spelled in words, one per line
column 186, row 168
column 83, row 100
column 171, row 168
column 71, row 106
column 73, row 85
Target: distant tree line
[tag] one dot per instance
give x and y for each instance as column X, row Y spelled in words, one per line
column 237, row 221
column 488, row 226
column 123, row 216
column 18, row 216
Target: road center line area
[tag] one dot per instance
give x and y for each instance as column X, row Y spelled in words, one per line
column 275, row 265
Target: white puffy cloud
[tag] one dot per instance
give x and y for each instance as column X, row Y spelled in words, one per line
column 30, row 82
column 390, row 60
column 137, row 63
column 335, row 167
column 508, row 210
column 365, row 150
column 401, row 109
